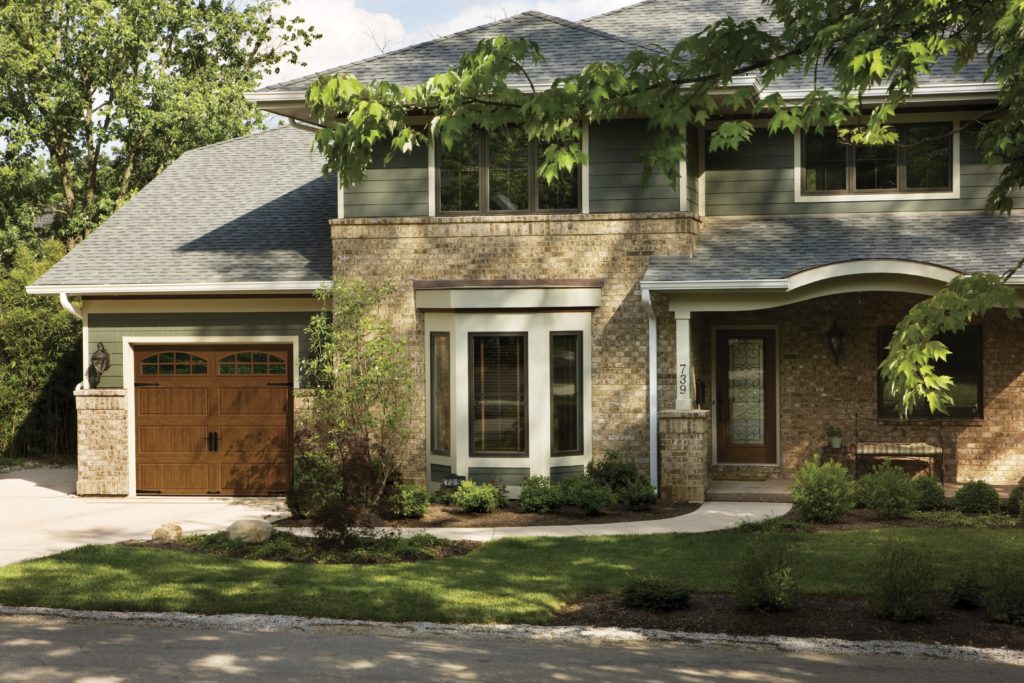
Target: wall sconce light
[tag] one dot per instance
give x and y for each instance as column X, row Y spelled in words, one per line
column 835, row 341
column 99, row 363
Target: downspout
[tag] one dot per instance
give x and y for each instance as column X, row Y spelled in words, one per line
column 66, row 304
column 652, row 383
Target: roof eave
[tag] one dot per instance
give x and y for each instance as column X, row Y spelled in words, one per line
column 272, row 287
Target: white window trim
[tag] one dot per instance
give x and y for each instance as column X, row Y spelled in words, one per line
column 128, row 360
column 800, row 198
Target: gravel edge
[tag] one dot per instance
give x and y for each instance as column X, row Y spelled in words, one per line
column 263, row 623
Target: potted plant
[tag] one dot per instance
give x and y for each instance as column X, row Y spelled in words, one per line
column 835, row 436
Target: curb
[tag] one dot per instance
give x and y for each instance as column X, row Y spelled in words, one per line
column 266, row 623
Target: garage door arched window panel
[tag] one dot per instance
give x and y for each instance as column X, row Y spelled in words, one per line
column 174, row 363
column 252, row 363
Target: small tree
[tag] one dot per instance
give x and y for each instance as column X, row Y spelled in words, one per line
column 353, row 421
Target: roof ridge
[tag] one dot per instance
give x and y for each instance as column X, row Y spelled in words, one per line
column 578, row 26
column 253, row 133
column 620, row 9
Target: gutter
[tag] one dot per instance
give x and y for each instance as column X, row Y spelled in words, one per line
column 281, row 287
column 652, row 384
column 66, row 304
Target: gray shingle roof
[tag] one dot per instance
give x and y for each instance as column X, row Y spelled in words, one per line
column 253, row 209
column 776, row 248
column 566, row 46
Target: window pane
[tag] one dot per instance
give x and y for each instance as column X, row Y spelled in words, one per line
column 566, row 393
column 875, row 167
column 440, row 393
column 964, row 365
column 508, row 165
column 928, row 150
column 460, row 175
column 561, row 194
column 498, row 420
column 825, row 163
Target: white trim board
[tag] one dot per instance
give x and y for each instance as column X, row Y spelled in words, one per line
column 128, row 361
column 255, row 287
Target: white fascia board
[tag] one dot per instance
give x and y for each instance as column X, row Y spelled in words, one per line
column 276, row 96
column 715, row 285
column 952, row 92
column 298, row 286
column 508, row 297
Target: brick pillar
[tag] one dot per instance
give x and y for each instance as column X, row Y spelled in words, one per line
column 684, row 453
column 102, row 442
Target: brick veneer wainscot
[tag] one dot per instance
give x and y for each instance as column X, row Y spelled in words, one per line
column 615, row 247
column 102, row 442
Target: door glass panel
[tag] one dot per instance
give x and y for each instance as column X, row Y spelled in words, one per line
column 746, row 392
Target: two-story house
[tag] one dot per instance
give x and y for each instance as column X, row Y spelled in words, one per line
column 706, row 329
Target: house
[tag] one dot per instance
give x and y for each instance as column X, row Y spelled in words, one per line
column 709, row 329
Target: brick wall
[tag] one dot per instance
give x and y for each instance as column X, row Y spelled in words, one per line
column 816, row 391
column 684, row 447
column 102, row 442
column 615, row 247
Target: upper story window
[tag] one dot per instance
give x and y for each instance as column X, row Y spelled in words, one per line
column 497, row 172
column 922, row 161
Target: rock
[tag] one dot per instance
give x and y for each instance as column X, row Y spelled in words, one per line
column 250, row 531
column 167, row 533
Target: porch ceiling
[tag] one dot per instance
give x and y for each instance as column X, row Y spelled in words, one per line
column 780, row 253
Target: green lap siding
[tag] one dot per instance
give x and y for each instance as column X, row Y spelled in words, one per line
column 507, row 476
column 616, row 171
column 401, row 189
column 563, row 472
column 111, row 328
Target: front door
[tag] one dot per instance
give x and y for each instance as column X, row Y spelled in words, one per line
column 745, row 397
column 213, row 419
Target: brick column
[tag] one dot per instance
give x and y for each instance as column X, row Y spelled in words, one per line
column 102, row 442
column 684, row 453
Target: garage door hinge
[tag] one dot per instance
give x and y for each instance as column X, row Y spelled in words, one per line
column 147, row 384
column 280, row 384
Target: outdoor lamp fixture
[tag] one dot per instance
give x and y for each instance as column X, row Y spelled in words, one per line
column 99, row 363
column 835, row 341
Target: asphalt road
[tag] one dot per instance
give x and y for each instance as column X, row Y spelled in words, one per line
column 54, row 649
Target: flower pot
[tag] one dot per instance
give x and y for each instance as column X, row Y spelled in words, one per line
column 836, row 442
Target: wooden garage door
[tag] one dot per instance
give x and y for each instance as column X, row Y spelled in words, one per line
column 213, row 419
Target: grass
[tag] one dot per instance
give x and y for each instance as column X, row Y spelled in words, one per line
column 286, row 547
column 513, row 580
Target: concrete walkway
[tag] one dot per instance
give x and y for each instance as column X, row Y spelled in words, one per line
column 41, row 516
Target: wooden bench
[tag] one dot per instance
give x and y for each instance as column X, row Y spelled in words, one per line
column 899, row 442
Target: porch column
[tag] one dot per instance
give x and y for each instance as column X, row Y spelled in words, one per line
column 684, row 362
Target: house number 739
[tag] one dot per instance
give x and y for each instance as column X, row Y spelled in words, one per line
column 683, row 389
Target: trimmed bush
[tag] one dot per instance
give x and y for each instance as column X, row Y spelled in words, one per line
column 888, row 490
column 442, row 497
column 822, row 491
column 538, row 495
column 612, row 471
column 655, row 595
column 473, row 497
column 929, row 494
column 1013, row 503
column 637, row 496
column 1004, row 593
column 902, row 583
column 588, row 495
column 764, row 579
column 976, row 497
column 412, row 501
column 965, row 591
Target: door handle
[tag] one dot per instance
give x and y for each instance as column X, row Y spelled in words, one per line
column 209, row 441
column 216, row 441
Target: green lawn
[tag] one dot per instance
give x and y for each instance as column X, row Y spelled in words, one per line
column 515, row 580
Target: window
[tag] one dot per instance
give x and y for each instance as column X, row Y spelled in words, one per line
column 566, row 393
column 497, row 397
column 251, row 363
column 173, row 363
column 922, row 161
column 440, row 393
column 497, row 172
column 964, row 366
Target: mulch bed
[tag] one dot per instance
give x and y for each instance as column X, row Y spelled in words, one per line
column 815, row 617
column 450, row 516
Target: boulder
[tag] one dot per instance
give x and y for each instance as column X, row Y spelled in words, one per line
column 168, row 533
column 250, row 531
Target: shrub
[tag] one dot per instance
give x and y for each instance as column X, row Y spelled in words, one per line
column 965, row 591
column 976, row 496
column 473, row 497
column 585, row 493
column 655, row 595
column 612, row 471
column 821, row 492
column 902, row 582
column 412, row 501
column 442, row 497
column 929, row 494
column 764, row 581
column 1013, row 503
column 1004, row 593
column 538, row 495
column 637, row 496
column 888, row 490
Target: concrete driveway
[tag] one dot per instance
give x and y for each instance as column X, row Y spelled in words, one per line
column 40, row 515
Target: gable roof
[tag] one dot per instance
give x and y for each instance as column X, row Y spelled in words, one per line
column 567, row 47
column 734, row 249
column 249, row 213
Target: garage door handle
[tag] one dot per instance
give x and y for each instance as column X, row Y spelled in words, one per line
column 216, row 441
column 209, row 441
